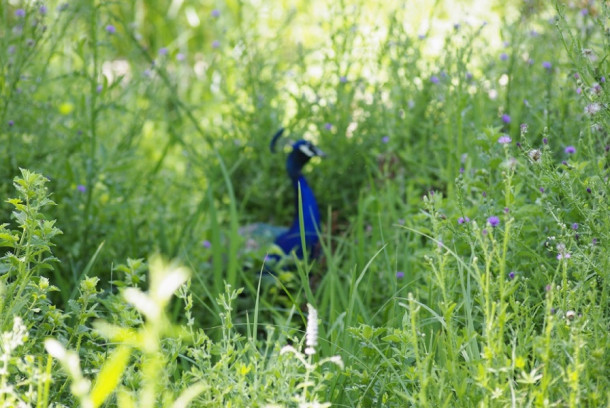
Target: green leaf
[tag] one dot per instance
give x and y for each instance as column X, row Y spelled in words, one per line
column 110, row 375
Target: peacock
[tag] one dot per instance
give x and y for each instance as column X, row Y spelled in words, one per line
column 288, row 240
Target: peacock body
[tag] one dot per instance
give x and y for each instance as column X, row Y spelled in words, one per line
column 288, row 240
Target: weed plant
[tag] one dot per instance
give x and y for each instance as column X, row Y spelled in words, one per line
column 465, row 204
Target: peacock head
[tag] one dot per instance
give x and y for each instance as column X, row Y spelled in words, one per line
column 302, row 152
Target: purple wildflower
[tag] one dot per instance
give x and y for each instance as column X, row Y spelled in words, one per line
column 584, row 12
column 343, row 79
column 99, row 88
column 541, row 189
column 215, row 44
column 575, row 226
column 503, row 56
column 206, row 244
column 163, row 51
column 215, row 13
column 20, row 12
column 547, row 65
column 400, row 275
column 42, row 10
column 570, row 150
column 81, row 188
column 506, row 210
column 579, row 90
column 110, row 29
column 493, row 221
column 463, row 220
column 11, row 123
column 576, row 76
column 588, row 190
column 548, row 287
column 506, row 118
column 385, row 139
column 328, row 126
column 545, row 140
column 421, row 36
column 511, row 275
column 434, row 79
column 505, row 139
column 602, row 80
column 523, row 127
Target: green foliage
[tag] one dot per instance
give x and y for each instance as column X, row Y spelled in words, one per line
column 466, row 239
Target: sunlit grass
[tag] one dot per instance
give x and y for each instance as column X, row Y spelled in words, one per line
column 464, row 202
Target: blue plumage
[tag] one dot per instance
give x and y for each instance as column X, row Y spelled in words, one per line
column 260, row 235
column 302, row 152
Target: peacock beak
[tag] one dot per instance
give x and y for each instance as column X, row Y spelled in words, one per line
column 319, row 152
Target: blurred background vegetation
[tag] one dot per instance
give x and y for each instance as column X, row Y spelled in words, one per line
column 152, row 119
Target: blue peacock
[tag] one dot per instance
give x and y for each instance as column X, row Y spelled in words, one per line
column 288, row 240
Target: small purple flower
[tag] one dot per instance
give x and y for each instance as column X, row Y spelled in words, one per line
column 484, row 194
column 343, row 79
column 541, row 189
column 215, row 44
column 506, row 118
column 81, row 188
column 511, row 275
column 484, row 232
column 434, row 79
column 570, row 150
column 42, row 10
column 400, row 275
column 548, row 288
column 180, row 56
column 215, row 13
column 506, row 210
column 11, row 123
column 385, row 139
column 602, row 80
column 328, row 126
column 575, row 226
column 461, row 170
column 422, row 36
column 565, row 163
column 206, row 244
column 588, row 190
column 523, row 127
column 493, row 221
column 564, row 255
column 576, row 76
column 594, row 241
column 545, row 140
column 579, row 90
column 503, row 56
column 547, row 65
column 20, row 12
column 553, row 310
column 505, row 139
column 99, row 88
column 163, row 51
column 463, row 220
column 110, row 29
column 584, row 12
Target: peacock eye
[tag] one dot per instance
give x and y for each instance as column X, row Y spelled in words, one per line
column 306, row 150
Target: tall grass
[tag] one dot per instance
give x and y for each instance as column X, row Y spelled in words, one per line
column 464, row 199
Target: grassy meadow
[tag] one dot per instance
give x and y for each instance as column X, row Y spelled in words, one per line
column 464, row 199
